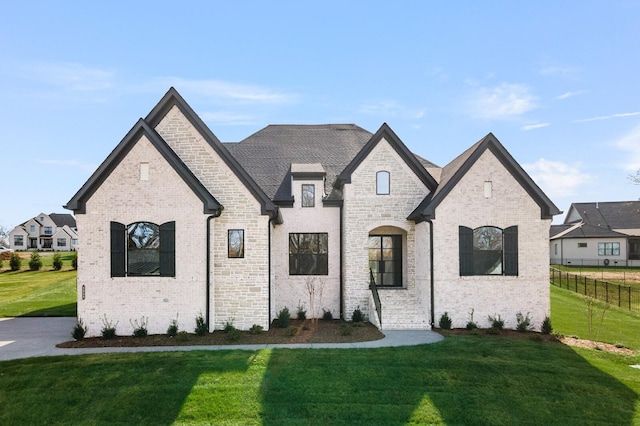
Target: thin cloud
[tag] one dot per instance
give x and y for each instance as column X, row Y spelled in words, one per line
column 630, row 144
column 535, row 126
column 567, row 95
column 225, row 118
column 502, row 102
column 558, row 179
column 73, row 77
column 608, row 117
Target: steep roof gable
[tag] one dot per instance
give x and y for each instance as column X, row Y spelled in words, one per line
column 615, row 215
column 172, row 98
column 409, row 158
column 62, row 219
column 141, row 128
column 456, row 169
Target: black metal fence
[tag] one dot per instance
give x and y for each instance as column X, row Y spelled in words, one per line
column 623, row 296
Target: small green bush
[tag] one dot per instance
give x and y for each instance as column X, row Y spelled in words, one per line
column 496, row 322
column 284, row 318
column 57, row 262
column 74, row 260
column 301, row 314
column 357, row 315
column 234, row 335
column 546, row 326
column 523, row 323
column 79, row 330
column 172, row 331
column 15, row 263
column 256, row 329
column 445, row 321
column 327, row 315
column 201, row 326
column 292, row 331
column 108, row 328
column 346, row 330
column 471, row 325
column 228, row 325
column 36, row 262
column 183, row 336
column 140, row 328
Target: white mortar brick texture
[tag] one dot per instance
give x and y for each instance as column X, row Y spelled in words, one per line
column 364, row 212
column 240, row 287
column 491, row 295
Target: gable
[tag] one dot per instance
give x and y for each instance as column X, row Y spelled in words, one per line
column 454, row 172
column 407, row 156
column 141, row 129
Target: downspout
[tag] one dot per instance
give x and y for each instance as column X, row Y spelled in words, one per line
column 208, row 279
column 269, row 268
column 433, row 322
column 341, row 277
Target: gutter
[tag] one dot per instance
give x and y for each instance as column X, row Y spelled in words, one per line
column 208, row 279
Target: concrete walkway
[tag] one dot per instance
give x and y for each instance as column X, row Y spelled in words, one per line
column 32, row 337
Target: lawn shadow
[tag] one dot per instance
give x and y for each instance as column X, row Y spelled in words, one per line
column 461, row 380
column 66, row 310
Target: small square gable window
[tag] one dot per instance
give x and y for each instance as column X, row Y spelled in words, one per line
column 308, row 195
column 383, row 183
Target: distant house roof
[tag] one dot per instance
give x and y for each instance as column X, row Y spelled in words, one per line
column 582, row 230
column 62, row 219
column 614, row 215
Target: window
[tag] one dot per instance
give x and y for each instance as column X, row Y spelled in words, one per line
column 385, row 259
column 235, row 243
column 18, row 240
column 308, row 195
column 32, row 228
column 608, row 249
column 61, row 242
column 48, row 230
column 143, row 249
column 74, row 241
column 488, row 250
column 383, row 183
column 308, row 254
column 582, row 245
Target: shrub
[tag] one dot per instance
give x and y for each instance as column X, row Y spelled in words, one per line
column 79, row 330
column 15, row 263
column 172, row 331
column 140, row 328
column 108, row 328
column 284, row 317
column 327, row 315
column 74, row 260
column 183, row 336
column 201, row 326
column 35, row 263
column 228, row 325
column 346, row 330
column 496, row 322
column 523, row 323
column 445, row 321
column 301, row 313
column 256, row 329
column 1, row 262
column 471, row 325
column 234, row 335
column 57, row 262
column 292, row 331
column 357, row 315
column 546, row 327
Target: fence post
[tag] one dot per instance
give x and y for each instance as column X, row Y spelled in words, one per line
column 585, row 285
column 619, row 297
column 576, row 281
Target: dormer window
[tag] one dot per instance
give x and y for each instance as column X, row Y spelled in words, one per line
column 383, row 183
column 308, row 195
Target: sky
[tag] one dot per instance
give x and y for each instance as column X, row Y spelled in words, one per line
column 555, row 82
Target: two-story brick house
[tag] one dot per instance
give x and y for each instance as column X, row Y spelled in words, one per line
column 177, row 224
column 54, row 231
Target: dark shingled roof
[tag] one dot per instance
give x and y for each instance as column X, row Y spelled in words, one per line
column 62, row 219
column 268, row 154
column 615, row 215
column 584, row 231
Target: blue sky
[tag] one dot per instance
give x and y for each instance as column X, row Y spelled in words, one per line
column 556, row 82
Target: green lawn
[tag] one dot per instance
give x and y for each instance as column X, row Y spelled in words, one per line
column 462, row 380
column 38, row 293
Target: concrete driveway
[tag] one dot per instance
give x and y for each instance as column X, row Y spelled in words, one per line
column 26, row 337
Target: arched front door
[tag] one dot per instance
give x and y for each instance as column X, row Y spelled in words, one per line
column 385, row 259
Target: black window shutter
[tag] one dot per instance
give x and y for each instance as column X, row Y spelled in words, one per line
column 511, row 251
column 168, row 249
column 465, row 250
column 118, row 248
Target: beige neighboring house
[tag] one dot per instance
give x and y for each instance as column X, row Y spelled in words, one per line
column 54, row 231
column 176, row 224
column 597, row 234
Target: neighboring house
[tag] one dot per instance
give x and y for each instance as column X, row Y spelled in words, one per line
column 55, row 231
column 176, row 224
column 605, row 234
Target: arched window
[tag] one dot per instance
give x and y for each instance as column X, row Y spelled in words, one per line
column 488, row 250
column 143, row 249
column 383, row 183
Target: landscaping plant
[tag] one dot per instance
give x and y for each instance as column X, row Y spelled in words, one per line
column 140, row 328
column 57, row 262
column 108, row 328
column 36, row 262
column 445, row 321
column 15, row 263
column 79, row 330
column 284, row 318
column 201, row 326
column 523, row 323
column 357, row 315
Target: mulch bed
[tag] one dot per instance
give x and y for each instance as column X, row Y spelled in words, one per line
column 306, row 331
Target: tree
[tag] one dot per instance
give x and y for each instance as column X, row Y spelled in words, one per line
column 4, row 236
column 635, row 179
